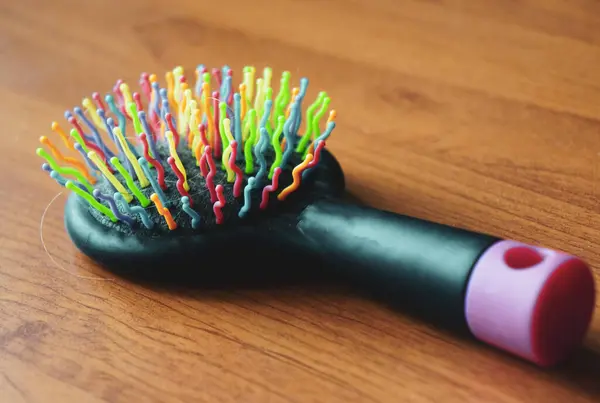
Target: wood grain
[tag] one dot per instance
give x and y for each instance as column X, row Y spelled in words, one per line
column 480, row 114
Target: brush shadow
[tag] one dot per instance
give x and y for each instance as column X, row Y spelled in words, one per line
column 581, row 373
column 282, row 272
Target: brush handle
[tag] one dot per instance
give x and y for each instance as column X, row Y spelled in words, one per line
column 533, row 302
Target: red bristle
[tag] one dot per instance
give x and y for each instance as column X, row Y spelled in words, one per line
column 210, row 184
column 146, row 86
column 77, row 127
column 216, row 73
column 154, row 121
column 202, row 129
column 180, row 178
column 218, row 206
column 217, row 137
column 160, row 172
column 202, row 164
column 270, row 188
column 317, row 156
column 239, row 176
column 117, row 91
column 98, row 99
column 169, row 119
column 138, row 101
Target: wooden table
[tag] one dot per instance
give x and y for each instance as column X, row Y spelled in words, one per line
column 482, row 114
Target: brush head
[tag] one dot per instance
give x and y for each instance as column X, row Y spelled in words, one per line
column 196, row 175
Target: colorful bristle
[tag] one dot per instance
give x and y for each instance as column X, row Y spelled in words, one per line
column 115, row 111
column 154, row 156
column 145, row 85
column 276, row 143
column 247, row 197
column 164, row 212
column 219, row 204
column 283, row 97
column 64, row 171
column 171, row 128
column 58, row 177
column 113, row 207
column 158, row 189
column 92, row 110
column 180, row 179
column 237, row 121
column 110, row 126
column 310, row 112
column 130, row 156
column 215, row 134
column 131, row 210
column 296, row 175
column 98, row 100
column 150, row 135
column 250, row 141
column 89, row 163
column 66, row 140
column 210, row 185
column 90, row 199
column 317, row 157
column 75, row 163
column 108, row 175
column 177, row 160
column 260, row 151
column 130, row 182
column 160, row 172
column 187, row 208
column 82, row 139
column 229, row 98
column 270, row 188
column 95, row 133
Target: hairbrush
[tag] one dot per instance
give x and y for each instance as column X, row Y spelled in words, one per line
column 204, row 176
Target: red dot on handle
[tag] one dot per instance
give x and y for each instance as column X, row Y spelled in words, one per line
column 522, row 257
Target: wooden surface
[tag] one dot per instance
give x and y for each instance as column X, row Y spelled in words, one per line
column 482, row 114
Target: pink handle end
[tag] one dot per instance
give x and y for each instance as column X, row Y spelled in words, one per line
column 533, row 302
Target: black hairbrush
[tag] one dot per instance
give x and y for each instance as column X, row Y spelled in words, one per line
column 211, row 179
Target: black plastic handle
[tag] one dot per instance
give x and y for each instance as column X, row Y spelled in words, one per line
column 421, row 265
